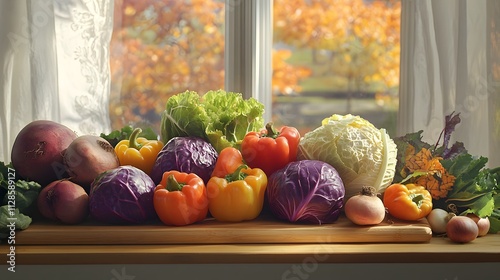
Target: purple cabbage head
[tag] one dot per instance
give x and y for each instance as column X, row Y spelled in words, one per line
column 123, row 195
column 306, row 191
column 188, row 155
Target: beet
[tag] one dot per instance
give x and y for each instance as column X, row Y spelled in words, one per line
column 88, row 156
column 63, row 201
column 38, row 149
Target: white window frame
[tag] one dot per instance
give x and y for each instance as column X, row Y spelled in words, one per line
column 248, row 50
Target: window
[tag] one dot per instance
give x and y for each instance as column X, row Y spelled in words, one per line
column 327, row 57
column 160, row 48
column 336, row 57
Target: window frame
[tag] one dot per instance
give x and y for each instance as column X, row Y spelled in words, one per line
column 248, row 50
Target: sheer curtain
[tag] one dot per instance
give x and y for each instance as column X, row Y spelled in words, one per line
column 450, row 61
column 54, row 58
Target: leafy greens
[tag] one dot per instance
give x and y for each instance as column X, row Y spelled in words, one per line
column 124, row 133
column 475, row 188
column 17, row 202
column 221, row 118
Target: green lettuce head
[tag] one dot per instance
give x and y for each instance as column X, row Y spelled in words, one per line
column 221, row 118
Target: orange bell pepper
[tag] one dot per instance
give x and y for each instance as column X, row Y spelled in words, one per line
column 180, row 198
column 407, row 202
column 228, row 161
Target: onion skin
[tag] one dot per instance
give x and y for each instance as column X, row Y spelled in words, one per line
column 365, row 208
column 438, row 219
column 461, row 229
column 483, row 224
column 63, row 201
column 87, row 157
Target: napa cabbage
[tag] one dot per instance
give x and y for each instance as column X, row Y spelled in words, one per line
column 362, row 154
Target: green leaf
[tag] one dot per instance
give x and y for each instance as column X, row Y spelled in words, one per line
column 484, row 206
column 494, row 221
column 496, row 198
column 464, row 196
column 465, row 168
column 222, row 118
column 184, row 115
column 415, row 175
column 486, row 181
column 414, row 139
column 481, row 205
column 402, row 143
column 9, row 216
column 124, row 133
column 23, row 193
column 24, row 199
column 218, row 140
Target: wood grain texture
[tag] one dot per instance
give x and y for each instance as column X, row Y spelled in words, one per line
column 438, row 250
column 260, row 231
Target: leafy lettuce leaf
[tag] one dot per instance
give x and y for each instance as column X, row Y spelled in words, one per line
column 221, row 118
column 184, row 115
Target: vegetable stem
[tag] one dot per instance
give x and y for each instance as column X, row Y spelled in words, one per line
column 271, row 131
column 417, row 199
column 133, row 139
column 173, row 185
column 368, row 190
column 237, row 174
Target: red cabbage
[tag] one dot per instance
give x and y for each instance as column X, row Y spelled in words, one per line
column 307, row 191
column 185, row 154
column 122, row 195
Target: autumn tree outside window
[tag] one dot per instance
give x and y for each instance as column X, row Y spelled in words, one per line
column 304, row 59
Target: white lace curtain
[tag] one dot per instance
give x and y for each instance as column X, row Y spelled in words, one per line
column 451, row 62
column 54, row 65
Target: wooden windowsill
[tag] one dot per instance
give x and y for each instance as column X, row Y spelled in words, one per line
column 438, row 249
column 259, row 241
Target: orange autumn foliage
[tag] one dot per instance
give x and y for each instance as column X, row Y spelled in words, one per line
column 160, row 48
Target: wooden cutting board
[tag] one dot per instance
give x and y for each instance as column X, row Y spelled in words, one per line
column 262, row 230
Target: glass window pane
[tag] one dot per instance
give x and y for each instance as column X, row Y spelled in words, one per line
column 160, row 48
column 335, row 57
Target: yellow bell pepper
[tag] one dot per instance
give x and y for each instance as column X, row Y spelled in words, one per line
column 238, row 196
column 138, row 151
column 407, row 202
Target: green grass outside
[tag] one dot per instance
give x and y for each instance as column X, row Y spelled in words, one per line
column 314, row 109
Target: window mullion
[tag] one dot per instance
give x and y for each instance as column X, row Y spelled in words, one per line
column 248, row 50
